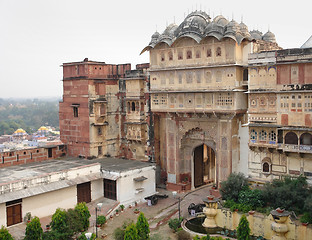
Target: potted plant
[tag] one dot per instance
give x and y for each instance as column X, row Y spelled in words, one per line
column 136, row 211
column 122, row 207
column 101, row 220
column 28, row 217
column 117, row 212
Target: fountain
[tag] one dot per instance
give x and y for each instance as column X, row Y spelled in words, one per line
column 205, row 222
column 210, row 212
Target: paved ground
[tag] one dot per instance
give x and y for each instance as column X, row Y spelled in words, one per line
column 157, row 215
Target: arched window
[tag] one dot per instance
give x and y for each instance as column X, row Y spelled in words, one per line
column 208, row 52
column 218, row 52
column 189, row 54
column 137, row 108
column 128, row 107
column 197, row 54
column 291, row 138
column 180, row 55
column 170, row 56
column 263, row 135
column 266, row 167
column 133, row 106
column 306, row 139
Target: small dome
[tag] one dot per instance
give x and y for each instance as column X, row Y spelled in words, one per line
column 214, row 27
column 43, row 128
column 269, row 37
column 169, row 31
column 221, row 20
column 20, row 131
column 155, row 35
column 232, row 27
column 255, row 34
column 244, row 29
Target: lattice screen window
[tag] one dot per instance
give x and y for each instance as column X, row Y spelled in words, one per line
column 155, row 99
column 224, row 99
column 163, row 100
column 263, row 135
column 308, row 103
column 253, row 135
column 272, row 137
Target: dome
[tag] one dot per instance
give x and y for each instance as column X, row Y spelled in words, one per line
column 20, row 131
column 155, row 35
column 195, row 22
column 169, row 31
column 244, row 29
column 214, row 27
column 221, row 20
column 269, row 37
column 255, row 34
column 232, row 27
column 43, row 128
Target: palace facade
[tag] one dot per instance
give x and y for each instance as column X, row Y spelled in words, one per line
column 215, row 98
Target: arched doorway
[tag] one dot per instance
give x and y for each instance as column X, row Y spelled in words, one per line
column 204, row 165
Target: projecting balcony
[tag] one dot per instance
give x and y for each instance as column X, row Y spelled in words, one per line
column 270, row 145
column 295, row 148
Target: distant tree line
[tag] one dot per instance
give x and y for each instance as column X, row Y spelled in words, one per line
column 28, row 114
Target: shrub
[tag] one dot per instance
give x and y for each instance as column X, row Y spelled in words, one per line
column 33, row 230
column 308, row 204
column 84, row 213
column 119, row 233
column 182, row 235
column 74, row 221
column 254, row 198
column 4, row 234
column 131, row 233
column 83, row 237
column 101, row 220
column 142, row 227
column 59, row 221
column 175, row 223
column 243, row 230
column 287, row 193
column 306, row 218
column 231, row 188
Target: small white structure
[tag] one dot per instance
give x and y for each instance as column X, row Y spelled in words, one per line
column 41, row 188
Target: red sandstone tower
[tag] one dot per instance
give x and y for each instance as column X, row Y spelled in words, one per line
column 89, row 113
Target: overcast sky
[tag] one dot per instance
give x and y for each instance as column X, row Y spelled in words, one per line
column 37, row 36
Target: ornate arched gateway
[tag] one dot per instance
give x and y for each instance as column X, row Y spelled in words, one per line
column 198, row 155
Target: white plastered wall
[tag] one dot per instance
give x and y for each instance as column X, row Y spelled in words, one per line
column 97, row 190
column 2, row 214
column 127, row 188
column 45, row 204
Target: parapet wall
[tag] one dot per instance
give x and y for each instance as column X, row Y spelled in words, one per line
column 31, row 155
column 260, row 225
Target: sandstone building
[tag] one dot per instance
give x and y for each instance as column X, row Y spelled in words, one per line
column 216, row 98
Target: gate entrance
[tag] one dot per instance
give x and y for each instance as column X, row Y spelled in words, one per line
column 204, row 165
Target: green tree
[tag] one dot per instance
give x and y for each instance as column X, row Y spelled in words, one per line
column 142, row 227
column 84, row 214
column 231, row 188
column 131, row 233
column 4, row 234
column 59, row 225
column 33, row 230
column 243, row 230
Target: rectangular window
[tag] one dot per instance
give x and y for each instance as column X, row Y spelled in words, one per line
column 99, row 131
column 75, row 110
column 99, row 150
column 50, row 152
